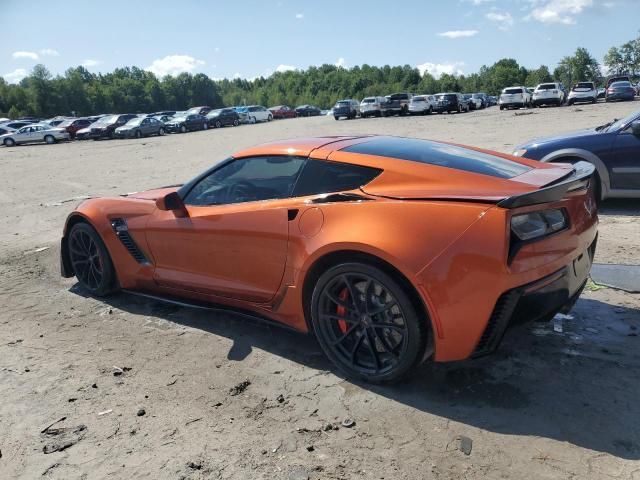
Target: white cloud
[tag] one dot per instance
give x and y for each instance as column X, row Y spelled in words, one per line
column 49, row 52
column 89, row 62
column 285, row 68
column 174, row 64
column 504, row 20
column 437, row 69
column 15, row 76
column 236, row 75
column 341, row 63
column 478, row 2
column 558, row 11
column 458, row 33
column 299, row 16
column 21, row 54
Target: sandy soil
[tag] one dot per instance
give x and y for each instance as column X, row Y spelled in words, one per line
column 150, row 390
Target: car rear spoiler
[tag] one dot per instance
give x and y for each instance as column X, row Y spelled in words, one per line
column 578, row 179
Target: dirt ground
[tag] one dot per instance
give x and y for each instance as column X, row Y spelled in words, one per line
column 151, row 390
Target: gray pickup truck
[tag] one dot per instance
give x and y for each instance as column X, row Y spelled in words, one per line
column 398, row 103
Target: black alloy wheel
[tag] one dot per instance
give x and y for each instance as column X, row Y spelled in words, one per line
column 366, row 323
column 90, row 260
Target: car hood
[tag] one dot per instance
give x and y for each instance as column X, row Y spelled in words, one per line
column 537, row 142
column 154, row 193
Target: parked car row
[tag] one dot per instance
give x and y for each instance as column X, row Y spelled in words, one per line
column 555, row 93
column 410, row 104
column 284, row 111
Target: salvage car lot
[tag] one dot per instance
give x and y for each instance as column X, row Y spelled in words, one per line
column 552, row 403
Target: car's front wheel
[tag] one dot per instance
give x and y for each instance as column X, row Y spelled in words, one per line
column 183, row 129
column 236, row 122
column 9, row 142
column 49, row 139
column 161, row 132
column 90, row 260
column 366, row 323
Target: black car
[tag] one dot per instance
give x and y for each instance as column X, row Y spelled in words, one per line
column 307, row 111
column 106, row 126
column 451, row 102
column 168, row 113
column 187, row 123
column 223, row 117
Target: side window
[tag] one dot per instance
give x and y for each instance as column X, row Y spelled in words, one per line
column 320, row 176
column 247, row 180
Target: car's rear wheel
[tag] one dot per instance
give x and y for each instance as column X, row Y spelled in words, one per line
column 236, row 122
column 49, row 139
column 90, row 260
column 9, row 142
column 161, row 132
column 366, row 323
column 218, row 124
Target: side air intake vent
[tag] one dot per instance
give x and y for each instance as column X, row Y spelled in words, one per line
column 121, row 229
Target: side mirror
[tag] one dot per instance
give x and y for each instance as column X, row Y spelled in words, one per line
column 172, row 201
column 635, row 128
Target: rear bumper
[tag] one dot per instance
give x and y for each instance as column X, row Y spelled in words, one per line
column 555, row 293
column 620, row 96
column 547, row 101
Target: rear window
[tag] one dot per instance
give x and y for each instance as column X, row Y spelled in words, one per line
column 620, row 84
column 583, row 85
column 343, row 103
column 399, row 96
column 511, row 91
column 320, row 176
column 369, row 100
column 440, row 154
column 419, row 99
column 547, row 86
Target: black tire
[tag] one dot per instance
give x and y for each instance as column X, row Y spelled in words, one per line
column 205, row 126
column 368, row 346
column 90, row 260
column 161, row 132
column 49, row 139
column 138, row 134
column 9, row 142
column 337, row 118
column 183, row 129
column 236, row 122
column 218, row 124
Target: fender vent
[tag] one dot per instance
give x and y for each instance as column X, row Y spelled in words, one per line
column 497, row 323
column 121, row 229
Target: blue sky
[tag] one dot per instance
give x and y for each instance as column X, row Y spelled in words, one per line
column 249, row 38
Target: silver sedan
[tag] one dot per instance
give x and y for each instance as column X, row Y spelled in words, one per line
column 34, row 134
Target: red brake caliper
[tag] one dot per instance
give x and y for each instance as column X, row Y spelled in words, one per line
column 342, row 311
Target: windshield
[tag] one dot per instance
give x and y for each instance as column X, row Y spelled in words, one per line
column 476, row 95
column 107, row 120
column 342, row 103
column 66, row 123
column 369, row 100
column 215, row 113
column 178, row 119
column 511, row 91
column 617, row 124
column 134, row 122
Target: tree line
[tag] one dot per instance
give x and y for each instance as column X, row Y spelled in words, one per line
column 134, row 90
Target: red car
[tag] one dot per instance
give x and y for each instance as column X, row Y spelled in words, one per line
column 72, row 125
column 282, row 111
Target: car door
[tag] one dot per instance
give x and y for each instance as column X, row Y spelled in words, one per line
column 233, row 241
column 624, row 163
column 24, row 135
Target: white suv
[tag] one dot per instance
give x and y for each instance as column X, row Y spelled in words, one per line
column 514, row 97
column 372, row 106
column 422, row 104
column 548, row 94
column 257, row 113
column 583, row 92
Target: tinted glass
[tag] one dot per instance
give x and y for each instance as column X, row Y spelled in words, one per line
column 511, row 91
column 321, row 176
column 247, row 180
column 620, row 84
column 440, row 154
column 547, row 86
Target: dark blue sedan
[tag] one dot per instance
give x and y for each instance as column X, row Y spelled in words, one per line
column 614, row 149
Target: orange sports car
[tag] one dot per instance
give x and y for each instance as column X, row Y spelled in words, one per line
column 391, row 250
